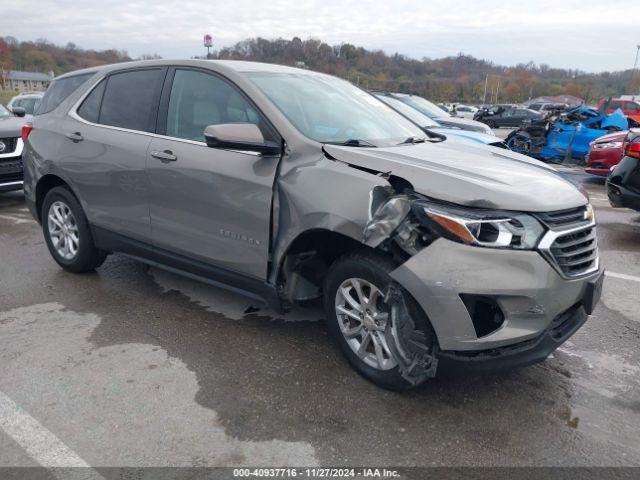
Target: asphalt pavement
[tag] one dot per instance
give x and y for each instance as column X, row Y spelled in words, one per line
column 134, row 366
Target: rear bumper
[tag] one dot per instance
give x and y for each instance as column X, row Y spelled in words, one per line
column 623, row 197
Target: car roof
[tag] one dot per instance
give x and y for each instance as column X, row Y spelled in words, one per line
column 239, row 66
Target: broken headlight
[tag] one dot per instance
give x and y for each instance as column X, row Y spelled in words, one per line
column 485, row 228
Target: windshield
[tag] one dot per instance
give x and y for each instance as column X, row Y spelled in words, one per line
column 423, row 105
column 411, row 113
column 331, row 110
column 4, row 112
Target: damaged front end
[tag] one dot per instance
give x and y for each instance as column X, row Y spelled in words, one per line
column 405, row 224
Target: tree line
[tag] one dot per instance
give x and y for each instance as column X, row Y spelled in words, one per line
column 460, row 78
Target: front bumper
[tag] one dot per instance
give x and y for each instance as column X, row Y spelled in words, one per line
column 600, row 172
column 11, row 170
column 530, row 293
column 517, row 355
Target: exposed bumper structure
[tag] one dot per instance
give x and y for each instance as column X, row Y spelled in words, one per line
column 527, row 293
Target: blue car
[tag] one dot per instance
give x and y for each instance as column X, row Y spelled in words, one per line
column 429, row 125
column 567, row 135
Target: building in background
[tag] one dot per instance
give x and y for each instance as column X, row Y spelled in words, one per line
column 25, row 81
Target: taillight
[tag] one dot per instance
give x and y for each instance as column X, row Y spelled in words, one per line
column 632, row 149
column 26, row 130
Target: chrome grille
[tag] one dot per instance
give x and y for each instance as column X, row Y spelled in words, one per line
column 565, row 218
column 9, row 145
column 576, row 252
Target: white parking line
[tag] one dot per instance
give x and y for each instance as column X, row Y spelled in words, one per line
column 622, row 276
column 42, row 445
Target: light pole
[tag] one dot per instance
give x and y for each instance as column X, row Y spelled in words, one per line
column 635, row 66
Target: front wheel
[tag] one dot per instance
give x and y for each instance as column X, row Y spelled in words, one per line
column 359, row 318
column 67, row 233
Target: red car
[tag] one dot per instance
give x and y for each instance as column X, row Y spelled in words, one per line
column 605, row 152
column 631, row 108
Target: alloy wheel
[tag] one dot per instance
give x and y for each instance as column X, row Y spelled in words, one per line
column 362, row 316
column 63, row 230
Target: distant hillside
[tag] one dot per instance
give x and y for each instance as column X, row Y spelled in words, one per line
column 43, row 56
column 461, row 78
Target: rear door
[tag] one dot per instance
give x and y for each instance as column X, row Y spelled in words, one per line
column 106, row 150
column 209, row 205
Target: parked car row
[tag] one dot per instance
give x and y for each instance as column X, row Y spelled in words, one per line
column 431, row 253
column 11, row 146
column 506, row 116
column 29, row 101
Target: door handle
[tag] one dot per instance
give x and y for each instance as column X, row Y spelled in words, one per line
column 165, row 156
column 75, row 137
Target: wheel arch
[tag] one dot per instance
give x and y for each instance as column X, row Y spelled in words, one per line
column 305, row 261
column 44, row 185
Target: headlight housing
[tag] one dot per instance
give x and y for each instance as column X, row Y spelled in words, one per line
column 484, row 228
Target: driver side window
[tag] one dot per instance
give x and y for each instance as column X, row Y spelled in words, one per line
column 199, row 99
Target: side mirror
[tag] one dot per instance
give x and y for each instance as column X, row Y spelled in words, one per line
column 19, row 111
column 239, row 136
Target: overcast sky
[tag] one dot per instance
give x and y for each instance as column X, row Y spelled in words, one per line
column 585, row 34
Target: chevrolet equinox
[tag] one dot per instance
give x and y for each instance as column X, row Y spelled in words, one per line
column 431, row 255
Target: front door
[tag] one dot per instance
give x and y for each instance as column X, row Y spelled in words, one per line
column 210, row 205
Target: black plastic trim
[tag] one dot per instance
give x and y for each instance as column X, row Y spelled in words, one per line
column 518, row 355
column 193, row 268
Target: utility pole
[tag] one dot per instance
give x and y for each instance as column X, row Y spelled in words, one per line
column 484, row 97
column 635, row 66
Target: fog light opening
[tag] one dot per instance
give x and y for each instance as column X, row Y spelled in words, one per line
column 485, row 313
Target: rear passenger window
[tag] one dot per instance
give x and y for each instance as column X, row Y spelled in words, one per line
column 130, row 100
column 90, row 108
column 59, row 90
column 199, row 99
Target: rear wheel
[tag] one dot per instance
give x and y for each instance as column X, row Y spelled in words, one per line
column 67, row 233
column 358, row 316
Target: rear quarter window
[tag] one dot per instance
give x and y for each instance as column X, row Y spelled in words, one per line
column 59, row 90
column 130, row 99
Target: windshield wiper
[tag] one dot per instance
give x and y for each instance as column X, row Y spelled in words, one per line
column 353, row 142
column 413, row 140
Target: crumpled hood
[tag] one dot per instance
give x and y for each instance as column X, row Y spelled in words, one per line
column 12, row 126
column 467, row 174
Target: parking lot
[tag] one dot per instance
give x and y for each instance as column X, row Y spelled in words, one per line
column 135, row 366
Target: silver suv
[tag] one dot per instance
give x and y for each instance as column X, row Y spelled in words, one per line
column 431, row 254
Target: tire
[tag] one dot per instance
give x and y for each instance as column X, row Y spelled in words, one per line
column 490, row 124
column 85, row 257
column 373, row 268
